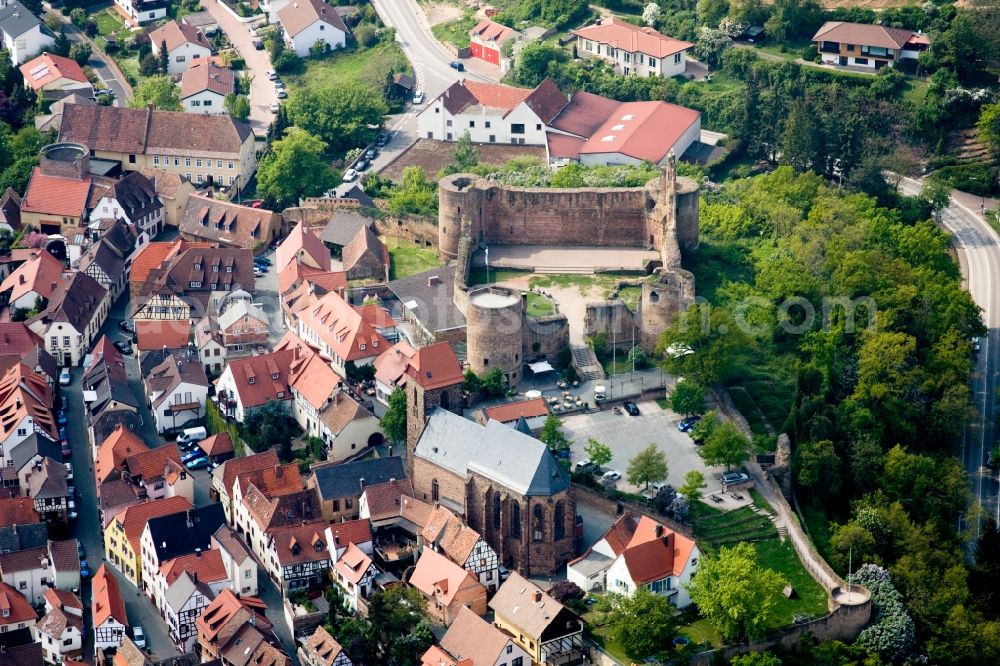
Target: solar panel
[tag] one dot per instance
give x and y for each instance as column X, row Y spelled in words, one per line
column 38, row 68
column 40, row 75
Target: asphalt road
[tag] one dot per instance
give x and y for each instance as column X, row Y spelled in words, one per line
column 978, row 248
column 100, row 63
column 262, row 93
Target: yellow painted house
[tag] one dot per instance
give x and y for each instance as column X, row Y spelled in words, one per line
column 123, row 534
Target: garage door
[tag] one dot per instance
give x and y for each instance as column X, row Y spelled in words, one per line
column 491, row 55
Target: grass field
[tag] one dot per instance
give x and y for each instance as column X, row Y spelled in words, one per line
column 368, row 67
column 539, row 306
column 407, row 258
column 457, row 31
column 810, row 599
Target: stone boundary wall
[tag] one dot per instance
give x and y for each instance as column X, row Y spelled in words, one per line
column 616, row 507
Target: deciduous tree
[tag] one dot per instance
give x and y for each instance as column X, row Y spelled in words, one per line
column 552, row 435
column 393, row 422
column 159, row 91
column 687, row 398
column 598, row 453
column 643, row 623
column 694, row 483
column 343, row 115
column 726, row 445
column 648, row 466
column 294, row 168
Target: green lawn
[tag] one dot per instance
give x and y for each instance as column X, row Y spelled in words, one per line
column 457, row 31
column 759, row 500
column 479, row 275
column 663, row 403
column 368, row 67
column 630, row 295
column 108, row 22
column 792, row 49
column 701, row 631
column 408, row 258
column 809, row 599
column 539, row 306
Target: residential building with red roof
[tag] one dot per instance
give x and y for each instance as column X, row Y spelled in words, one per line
column 445, row 533
column 60, row 630
column 204, row 87
column 25, row 409
column 35, row 279
column 19, row 344
column 218, row 447
column 304, row 247
column 632, row 49
column 158, row 473
column 432, row 368
column 339, row 537
column 183, row 588
column 55, row 204
column 228, row 224
column 51, row 72
column 380, row 503
column 845, row 44
column 340, row 333
column 322, row 649
column 438, row 656
column 17, row 611
column 109, row 260
column 354, row 572
column 108, row 606
column 306, row 22
column 537, row 622
column 123, row 535
column 254, row 381
column 183, row 44
column 17, row 511
column 488, row 112
column 534, row 411
column 447, row 587
column 224, row 622
column 366, row 256
column 73, row 318
column 112, row 453
column 635, row 553
column 473, row 639
column 298, row 556
column 177, row 390
column 240, row 565
column 155, row 334
column 487, row 39
column 224, row 476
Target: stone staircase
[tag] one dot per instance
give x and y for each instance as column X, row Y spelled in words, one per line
column 782, row 529
column 587, row 365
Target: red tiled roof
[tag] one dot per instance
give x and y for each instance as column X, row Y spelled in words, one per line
column 298, row 15
column 298, row 242
column 39, row 274
column 435, row 366
column 236, row 466
column 175, row 34
column 584, row 114
column 62, row 598
column 18, row 511
column 353, row 564
column 564, row 145
column 51, row 195
column 107, row 598
column 49, row 67
column 334, row 321
column 497, row 95
column 384, row 499
column 153, row 334
column 217, row 445
column 261, row 369
column 643, row 130
column 375, row 315
column 273, row 481
column 218, row 614
column 151, row 464
column 490, row 31
column 208, row 565
column 111, row 455
column 15, row 607
column 511, row 411
column 16, row 339
column 348, row 532
column 296, row 544
column 439, row 578
column 862, row 33
column 206, row 75
column 655, row 552
column 632, row 38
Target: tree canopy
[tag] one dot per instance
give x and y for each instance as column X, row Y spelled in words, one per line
column 159, row 91
column 344, row 116
column 294, row 168
column 648, row 466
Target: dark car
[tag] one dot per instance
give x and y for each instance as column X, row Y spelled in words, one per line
column 262, row 260
column 457, row 66
column 688, row 423
column 371, row 154
column 382, row 140
column 362, row 164
column 126, row 326
column 258, row 44
column 631, row 408
column 66, row 451
column 124, row 346
column 562, row 453
column 198, row 463
column 188, row 457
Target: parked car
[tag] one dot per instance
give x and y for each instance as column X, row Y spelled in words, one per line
column 66, row 451
column 279, row 84
column 275, row 107
column 687, row 424
column 418, row 97
column 126, row 326
column 371, row 154
column 79, row 550
column 64, row 377
column 271, row 74
column 585, row 466
column 729, row 478
column 124, row 346
column 457, row 66
column 138, row 637
column 198, row 463
column 282, row 94
column 977, row 344
column 189, row 456
column 61, row 417
column 350, row 175
column 84, row 569
column 362, row 164
column 382, row 140
column 631, row 408
column 195, row 434
column 69, row 471
column 562, row 453
column 258, row 44
column 258, row 271
column 262, row 260
column 611, row 475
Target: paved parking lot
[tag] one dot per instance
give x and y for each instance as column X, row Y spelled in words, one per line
column 627, row 435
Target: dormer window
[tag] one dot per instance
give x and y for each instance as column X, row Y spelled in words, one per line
column 251, row 380
column 281, row 394
column 195, row 284
column 362, row 346
column 197, row 266
column 229, row 269
column 6, row 612
column 374, row 343
column 274, row 375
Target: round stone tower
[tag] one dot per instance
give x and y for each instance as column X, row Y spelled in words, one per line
column 661, row 303
column 64, row 160
column 458, row 210
column 494, row 328
column 687, row 213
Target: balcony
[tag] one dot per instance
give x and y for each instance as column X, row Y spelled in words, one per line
column 829, row 47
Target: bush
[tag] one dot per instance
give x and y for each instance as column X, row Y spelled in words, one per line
column 810, row 53
column 365, row 36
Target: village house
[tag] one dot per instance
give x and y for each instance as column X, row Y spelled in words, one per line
column 306, row 22
column 339, row 485
column 55, row 75
column 537, row 623
column 254, row 381
column 17, row 615
column 446, row 534
column 109, row 260
column 22, row 34
column 48, row 489
column 534, row 411
column 132, row 198
column 339, row 536
column 25, row 409
column 240, row 329
column 114, row 497
column 183, row 43
column 302, row 246
column 228, row 224
column 218, row 447
column 177, row 390
column 339, row 333
column 202, row 20
column 32, row 282
column 173, row 189
column 213, row 150
column 110, row 620
column 430, row 368
column 204, row 87
column 488, row 40
column 265, row 514
column 55, row 201
column 73, row 318
column 18, row 344
column 137, row 12
column 322, row 649
column 365, row 256
column 109, row 400
column 158, row 473
column 632, row 49
column 241, row 567
column 488, row 112
column 109, row 463
column 122, row 537
column 447, row 587
column 234, row 622
column 225, row 475
column 472, row 638
column 27, row 457
column 873, row 47
column 33, row 571
column 183, row 603
column 354, row 574
column 60, row 630
column 297, row 557
column 170, row 536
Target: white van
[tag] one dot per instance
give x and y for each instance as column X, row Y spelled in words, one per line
column 192, row 435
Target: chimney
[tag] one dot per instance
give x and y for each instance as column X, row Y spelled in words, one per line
column 21, row 278
column 190, row 523
column 197, row 553
column 433, row 281
column 278, row 472
column 195, row 576
column 659, row 530
column 537, row 596
column 362, row 482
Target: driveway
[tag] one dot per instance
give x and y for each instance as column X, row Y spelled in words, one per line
column 627, row 435
column 105, row 68
column 262, row 94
